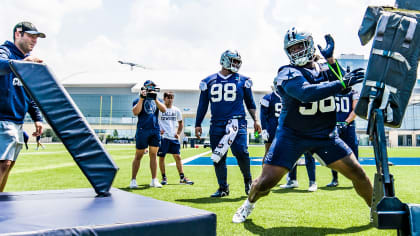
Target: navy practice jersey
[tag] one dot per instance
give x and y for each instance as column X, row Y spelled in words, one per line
column 308, row 99
column 148, row 117
column 226, row 96
column 270, row 111
column 344, row 103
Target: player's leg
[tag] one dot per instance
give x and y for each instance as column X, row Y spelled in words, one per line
column 281, row 157
column 291, row 179
column 239, row 149
column 310, row 169
column 154, row 143
column 219, row 168
column 350, row 168
column 337, row 155
column 163, row 149
column 5, row 167
column 141, row 145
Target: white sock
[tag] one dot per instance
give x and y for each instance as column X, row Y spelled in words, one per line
column 248, row 203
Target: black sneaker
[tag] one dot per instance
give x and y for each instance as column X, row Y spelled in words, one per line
column 333, row 184
column 248, row 187
column 185, row 180
column 221, row 192
column 164, row 181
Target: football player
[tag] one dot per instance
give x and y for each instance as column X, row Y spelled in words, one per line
column 308, row 119
column 270, row 107
column 226, row 92
column 346, row 128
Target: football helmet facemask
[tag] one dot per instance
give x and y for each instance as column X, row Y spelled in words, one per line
column 231, row 60
column 301, row 57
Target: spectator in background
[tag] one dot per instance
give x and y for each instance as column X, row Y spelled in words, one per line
column 147, row 108
column 14, row 101
column 38, row 143
column 25, row 139
column 185, row 141
column 168, row 122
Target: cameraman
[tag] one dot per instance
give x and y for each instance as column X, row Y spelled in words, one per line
column 147, row 108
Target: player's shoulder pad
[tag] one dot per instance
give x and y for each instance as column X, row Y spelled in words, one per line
column 204, row 83
column 265, row 101
column 286, row 73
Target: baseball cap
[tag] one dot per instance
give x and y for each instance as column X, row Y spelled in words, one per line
column 29, row 28
column 149, row 83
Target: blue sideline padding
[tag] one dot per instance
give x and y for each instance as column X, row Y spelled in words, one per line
column 79, row 212
column 68, row 123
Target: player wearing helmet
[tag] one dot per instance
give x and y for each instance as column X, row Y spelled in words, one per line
column 226, row 92
column 308, row 119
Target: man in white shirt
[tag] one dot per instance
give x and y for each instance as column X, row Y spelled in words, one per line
column 171, row 126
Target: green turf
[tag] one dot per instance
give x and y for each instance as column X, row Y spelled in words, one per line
column 284, row 212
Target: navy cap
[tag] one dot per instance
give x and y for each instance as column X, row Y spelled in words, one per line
column 149, row 83
column 29, row 28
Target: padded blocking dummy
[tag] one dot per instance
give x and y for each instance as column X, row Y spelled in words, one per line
column 393, row 60
column 68, row 123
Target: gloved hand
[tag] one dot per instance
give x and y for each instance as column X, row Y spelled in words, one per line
column 354, row 77
column 341, row 127
column 328, row 51
column 265, row 135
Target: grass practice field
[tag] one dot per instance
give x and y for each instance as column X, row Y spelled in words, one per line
column 328, row 211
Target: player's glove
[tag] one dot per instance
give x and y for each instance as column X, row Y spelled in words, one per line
column 354, row 77
column 265, row 135
column 341, row 127
column 328, row 51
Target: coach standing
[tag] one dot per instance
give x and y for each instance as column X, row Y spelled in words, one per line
column 14, row 101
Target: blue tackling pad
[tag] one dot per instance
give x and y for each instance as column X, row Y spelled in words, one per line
column 80, row 212
column 68, row 123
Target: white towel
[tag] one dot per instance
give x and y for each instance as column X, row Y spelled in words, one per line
column 226, row 141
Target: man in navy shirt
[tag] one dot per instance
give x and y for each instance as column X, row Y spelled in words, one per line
column 14, row 101
column 147, row 108
column 308, row 119
column 226, row 91
column 346, row 102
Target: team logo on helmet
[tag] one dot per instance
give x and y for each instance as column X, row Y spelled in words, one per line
column 294, row 37
column 231, row 60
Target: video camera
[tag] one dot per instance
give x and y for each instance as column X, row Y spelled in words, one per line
column 151, row 92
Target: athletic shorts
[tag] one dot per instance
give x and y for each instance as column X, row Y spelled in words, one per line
column 169, row 146
column 11, row 140
column 147, row 137
column 287, row 147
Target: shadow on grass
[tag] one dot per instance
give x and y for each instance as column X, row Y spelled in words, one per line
column 207, row 200
column 140, row 187
column 335, row 188
column 258, row 230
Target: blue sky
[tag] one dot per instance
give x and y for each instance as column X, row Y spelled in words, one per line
column 179, row 34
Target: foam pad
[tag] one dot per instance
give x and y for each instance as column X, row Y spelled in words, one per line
column 68, row 123
column 414, row 218
column 79, row 212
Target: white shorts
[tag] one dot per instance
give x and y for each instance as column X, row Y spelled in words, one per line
column 11, row 140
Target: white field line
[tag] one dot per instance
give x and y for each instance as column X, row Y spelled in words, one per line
column 190, row 158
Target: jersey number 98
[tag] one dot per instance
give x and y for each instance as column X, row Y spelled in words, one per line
column 323, row 107
column 226, row 92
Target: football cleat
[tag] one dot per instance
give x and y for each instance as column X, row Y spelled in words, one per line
column 333, row 183
column 243, row 212
column 290, row 184
column 185, row 180
column 164, row 181
column 312, row 186
column 221, row 192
